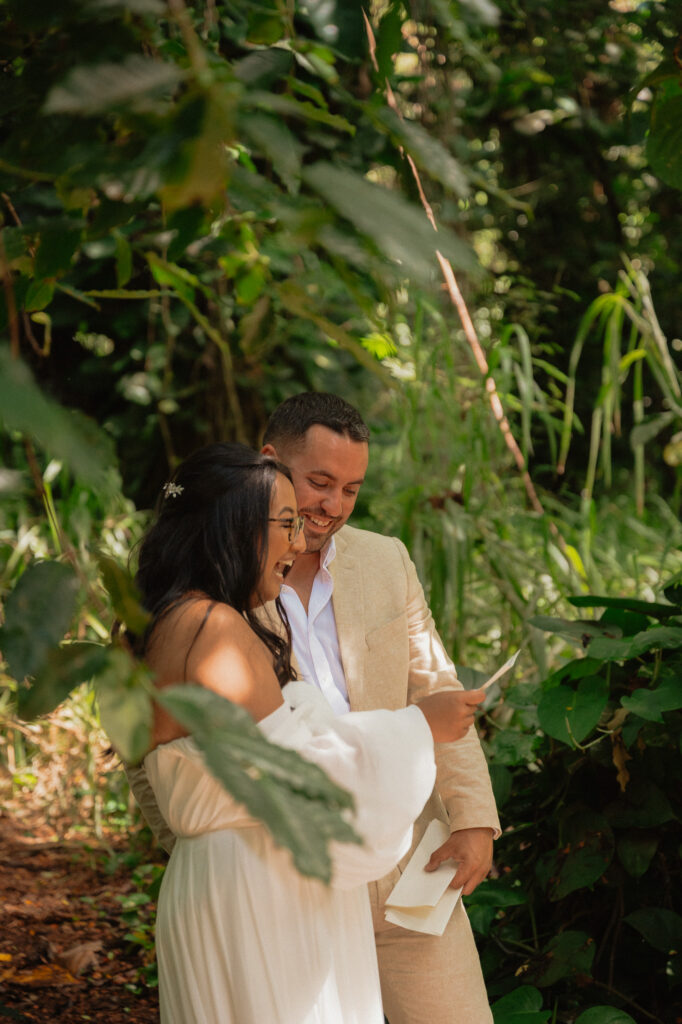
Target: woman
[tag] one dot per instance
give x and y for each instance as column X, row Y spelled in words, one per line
column 242, row 938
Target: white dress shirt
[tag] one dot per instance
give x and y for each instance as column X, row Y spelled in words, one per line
column 314, row 637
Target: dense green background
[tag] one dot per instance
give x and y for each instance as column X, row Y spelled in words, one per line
column 208, row 207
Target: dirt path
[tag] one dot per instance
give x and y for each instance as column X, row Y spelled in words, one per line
column 66, row 909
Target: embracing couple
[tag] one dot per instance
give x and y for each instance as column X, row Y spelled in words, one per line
column 253, row 579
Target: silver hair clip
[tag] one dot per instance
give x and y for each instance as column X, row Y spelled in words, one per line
column 171, row 490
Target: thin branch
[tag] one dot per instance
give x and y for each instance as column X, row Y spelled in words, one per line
column 469, row 330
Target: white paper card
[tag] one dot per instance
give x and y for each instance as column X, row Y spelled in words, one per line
column 421, row 900
column 509, row 663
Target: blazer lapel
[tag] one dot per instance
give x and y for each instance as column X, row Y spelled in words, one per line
column 349, row 613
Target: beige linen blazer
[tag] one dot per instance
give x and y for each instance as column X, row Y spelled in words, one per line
column 392, row 656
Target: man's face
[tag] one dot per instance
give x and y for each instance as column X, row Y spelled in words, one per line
column 327, row 472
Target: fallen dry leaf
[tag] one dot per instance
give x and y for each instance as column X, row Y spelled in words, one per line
column 79, row 958
column 42, row 976
column 620, row 758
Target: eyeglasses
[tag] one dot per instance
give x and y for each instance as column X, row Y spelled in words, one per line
column 295, row 524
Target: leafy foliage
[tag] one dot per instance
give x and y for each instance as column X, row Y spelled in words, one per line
column 597, row 886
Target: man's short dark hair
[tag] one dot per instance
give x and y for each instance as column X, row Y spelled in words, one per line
column 292, row 420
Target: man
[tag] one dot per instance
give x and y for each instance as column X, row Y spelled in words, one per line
column 363, row 633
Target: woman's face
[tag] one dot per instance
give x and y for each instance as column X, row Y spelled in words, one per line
column 281, row 551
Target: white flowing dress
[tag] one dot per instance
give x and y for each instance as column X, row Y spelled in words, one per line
column 241, row 936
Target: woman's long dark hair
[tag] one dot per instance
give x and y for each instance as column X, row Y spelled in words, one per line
column 210, row 536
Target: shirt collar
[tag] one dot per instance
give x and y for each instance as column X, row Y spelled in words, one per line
column 328, row 553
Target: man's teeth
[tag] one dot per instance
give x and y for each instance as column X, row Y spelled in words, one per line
column 319, row 522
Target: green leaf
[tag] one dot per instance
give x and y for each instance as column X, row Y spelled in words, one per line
column 124, row 595
column 58, row 243
column 570, row 715
column 511, row 747
column 289, row 107
column 587, row 849
column 605, row 1015
column 400, row 230
column 577, row 668
column 576, row 630
column 643, row 805
column 427, row 152
column 651, row 704
column 125, row 705
column 656, row 638
column 566, row 955
column 69, row 437
column 661, row 928
column 635, row 852
column 38, row 613
column 274, row 140
column 124, row 260
column 664, row 143
column 135, row 82
column 485, row 903
column 65, row 668
column 38, row 295
column 295, row 799
column 170, row 274
column 652, row 609
column 521, row 1006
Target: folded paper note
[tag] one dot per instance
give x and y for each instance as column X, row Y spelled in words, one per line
column 421, row 900
column 509, row 663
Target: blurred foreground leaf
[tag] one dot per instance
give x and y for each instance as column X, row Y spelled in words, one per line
column 38, row 613
column 125, row 705
column 295, row 799
column 66, row 436
column 64, row 669
column 125, row 598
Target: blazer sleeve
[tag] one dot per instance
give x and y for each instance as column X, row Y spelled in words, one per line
column 463, row 780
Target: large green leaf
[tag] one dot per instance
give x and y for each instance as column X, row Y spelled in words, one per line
column 136, row 82
column 643, row 805
column 605, row 1015
column 123, row 688
column 426, row 151
column 653, row 609
column 636, row 851
column 295, row 799
column 664, row 144
column 521, row 1006
column 399, row 230
column 67, row 436
column 123, row 593
column 38, row 613
column 651, row 704
column 276, row 142
column 654, row 639
column 661, row 928
column 64, row 669
column 565, row 955
column 587, row 848
column 576, row 630
column 485, row 903
column 571, row 715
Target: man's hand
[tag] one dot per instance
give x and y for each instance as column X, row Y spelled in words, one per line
column 472, row 848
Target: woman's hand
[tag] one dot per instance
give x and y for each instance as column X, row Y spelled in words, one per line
column 450, row 713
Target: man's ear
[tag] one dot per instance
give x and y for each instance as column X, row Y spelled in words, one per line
column 269, row 449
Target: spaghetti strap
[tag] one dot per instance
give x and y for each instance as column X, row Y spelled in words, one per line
column 196, row 637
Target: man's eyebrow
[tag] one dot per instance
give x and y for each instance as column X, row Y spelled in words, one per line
column 330, row 476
